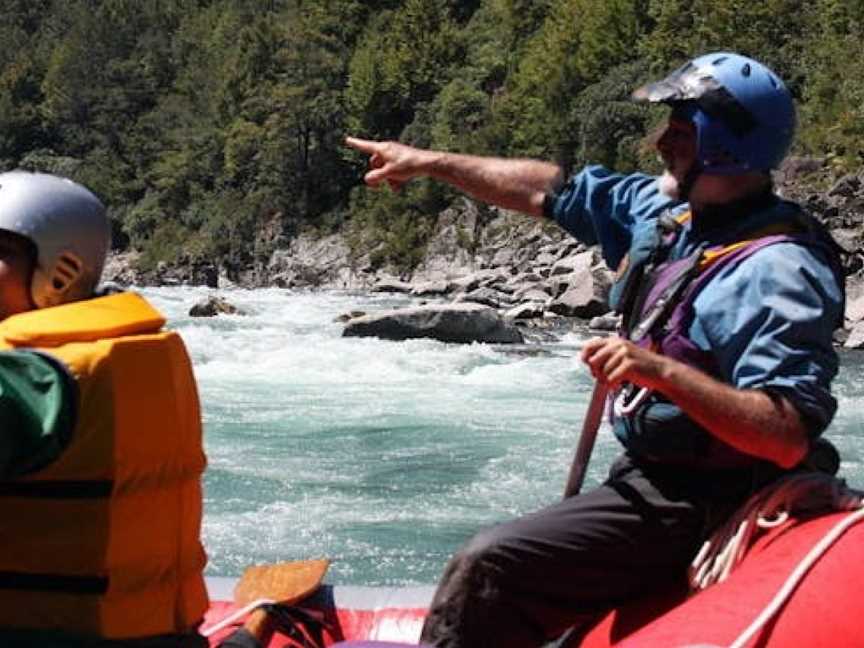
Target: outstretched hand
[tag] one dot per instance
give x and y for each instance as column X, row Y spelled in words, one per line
column 613, row 360
column 392, row 162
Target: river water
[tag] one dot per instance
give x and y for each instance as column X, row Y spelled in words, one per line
column 385, row 456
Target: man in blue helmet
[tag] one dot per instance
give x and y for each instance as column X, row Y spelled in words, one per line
column 729, row 297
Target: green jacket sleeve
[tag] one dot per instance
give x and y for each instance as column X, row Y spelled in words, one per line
column 38, row 402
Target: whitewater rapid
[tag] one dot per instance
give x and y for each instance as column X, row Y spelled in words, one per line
column 385, row 456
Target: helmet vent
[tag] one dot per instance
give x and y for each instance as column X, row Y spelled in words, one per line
column 746, row 70
column 67, row 270
column 719, row 60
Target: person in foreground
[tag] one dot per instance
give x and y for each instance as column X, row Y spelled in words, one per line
column 101, row 451
column 729, row 297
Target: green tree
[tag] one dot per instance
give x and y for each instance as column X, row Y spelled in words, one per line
column 579, row 42
column 403, row 60
column 610, row 128
column 832, row 116
column 20, row 123
column 770, row 30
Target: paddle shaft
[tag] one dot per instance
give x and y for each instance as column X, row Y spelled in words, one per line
column 586, row 440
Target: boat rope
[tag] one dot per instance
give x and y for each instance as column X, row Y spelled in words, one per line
column 799, row 495
column 797, row 576
column 235, row 616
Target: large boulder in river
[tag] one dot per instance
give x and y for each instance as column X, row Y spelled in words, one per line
column 391, row 285
column 213, row 306
column 462, row 323
column 856, row 337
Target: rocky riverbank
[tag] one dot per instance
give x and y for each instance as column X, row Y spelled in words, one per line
column 530, row 272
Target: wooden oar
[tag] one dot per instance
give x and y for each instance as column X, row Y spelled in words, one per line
column 590, row 425
column 286, row 583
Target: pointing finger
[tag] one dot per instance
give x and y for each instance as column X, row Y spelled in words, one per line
column 364, row 146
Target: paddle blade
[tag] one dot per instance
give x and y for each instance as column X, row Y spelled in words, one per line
column 287, row 582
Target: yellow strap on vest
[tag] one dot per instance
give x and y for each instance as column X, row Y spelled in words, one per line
column 94, row 319
column 711, row 256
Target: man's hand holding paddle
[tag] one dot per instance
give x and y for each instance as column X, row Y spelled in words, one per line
column 614, row 360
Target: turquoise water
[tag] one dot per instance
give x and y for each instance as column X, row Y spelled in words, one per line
column 385, row 456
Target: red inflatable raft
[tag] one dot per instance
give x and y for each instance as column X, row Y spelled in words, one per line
column 346, row 612
column 825, row 610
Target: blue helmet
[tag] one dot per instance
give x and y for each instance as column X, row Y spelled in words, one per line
column 743, row 113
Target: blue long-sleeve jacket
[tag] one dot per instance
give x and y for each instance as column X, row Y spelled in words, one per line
column 768, row 322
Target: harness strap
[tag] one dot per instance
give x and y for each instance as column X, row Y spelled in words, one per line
column 668, row 299
column 629, row 398
column 59, row 489
column 635, row 290
column 62, row 583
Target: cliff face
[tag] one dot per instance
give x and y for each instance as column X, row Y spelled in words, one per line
column 530, row 271
column 838, row 202
column 471, row 237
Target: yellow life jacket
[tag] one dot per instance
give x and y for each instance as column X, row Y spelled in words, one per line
column 105, row 541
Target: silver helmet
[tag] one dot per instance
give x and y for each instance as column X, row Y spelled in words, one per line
column 69, row 228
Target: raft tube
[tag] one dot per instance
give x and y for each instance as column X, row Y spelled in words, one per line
column 388, row 614
column 824, row 611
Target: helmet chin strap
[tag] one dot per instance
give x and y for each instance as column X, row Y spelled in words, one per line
column 690, row 178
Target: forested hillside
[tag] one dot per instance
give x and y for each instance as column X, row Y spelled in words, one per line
column 213, row 128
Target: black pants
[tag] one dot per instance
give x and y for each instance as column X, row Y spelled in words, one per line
column 525, row 582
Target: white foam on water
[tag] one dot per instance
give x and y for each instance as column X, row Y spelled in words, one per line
column 317, row 442
column 382, row 455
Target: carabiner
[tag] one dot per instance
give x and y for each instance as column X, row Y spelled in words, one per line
column 625, row 405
